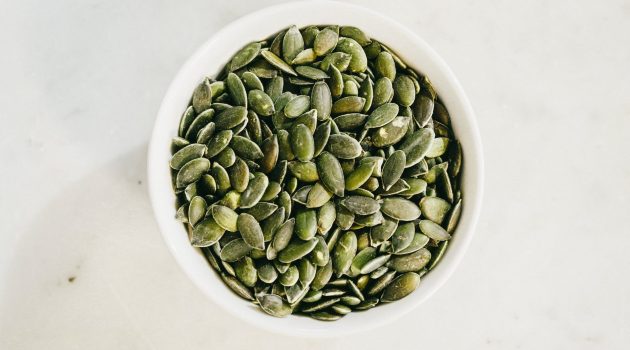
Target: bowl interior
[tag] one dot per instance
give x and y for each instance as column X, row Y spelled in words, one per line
column 211, row 57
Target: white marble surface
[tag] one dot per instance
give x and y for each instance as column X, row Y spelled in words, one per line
column 81, row 81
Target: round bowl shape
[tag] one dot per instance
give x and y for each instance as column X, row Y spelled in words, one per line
column 212, row 56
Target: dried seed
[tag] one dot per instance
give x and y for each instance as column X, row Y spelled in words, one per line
column 453, row 217
column 196, row 210
column 304, row 171
column 292, row 43
column 339, row 60
column 246, row 148
column 246, row 271
column 239, row 175
column 433, row 230
column 218, row 142
column 191, row 172
column 419, row 241
column 355, row 33
column 225, row 217
column 361, row 259
column 348, row 104
column 417, row 145
column 393, row 169
column 382, row 115
column 400, row 209
column 283, row 235
column 302, row 142
column 391, row 133
column 296, row 250
column 384, row 231
column 325, row 41
column 434, row 209
column 411, row 262
column 255, row 190
column 237, row 287
column 304, row 57
column 202, row 96
column 321, row 305
column 344, row 252
column 402, row 236
column 267, row 273
column 361, row 205
column 404, row 90
column 321, row 100
column 336, row 81
column 322, row 276
column 306, row 224
column 186, row 154
column 318, row 196
column 289, row 277
column 277, row 62
column 272, row 223
column 244, row 56
column 206, row 233
column 359, row 176
column 262, row 210
column 260, row 102
column 320, row 254
column 402, row 286
column 306, row 271
column 250, row 230
column 311, row 73
column 273, row 305
column 358, row 62
column 235, row 250
column 343, row 146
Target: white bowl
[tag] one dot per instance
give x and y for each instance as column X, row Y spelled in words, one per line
column 212, row 56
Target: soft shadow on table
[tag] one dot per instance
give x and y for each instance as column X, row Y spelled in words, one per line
column 93, row 270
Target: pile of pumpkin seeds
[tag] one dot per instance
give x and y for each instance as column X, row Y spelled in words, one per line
column 318, row 173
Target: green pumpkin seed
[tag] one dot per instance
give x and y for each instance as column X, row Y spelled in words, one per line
column 305, row 57
column 435, row 259
column 438, row 147
column 358, row 62
column 235, row 250
column 355, row 33
column 267, row 273
column 296, row 250
column 320, row 137
column 433, row 230
column 225, row 217
column 301, row 195
column 312, row 296
column 290, row 277
column 393, row 169
column 361, row 205
column 391, row 133
column 284, row 146
column 325, row 41
column 320, row 254
column 343, row 146
column 295, row 293
column 434, row 209
column 400, row 209
column 203, row 119
column 403, row 236
column 255, row 190
column 222, row 179
column 350, row 300
column 321, row 305
column 345, row 218
column 348, row 104
column 202, row 96
column 344, row 252
column 186, row 154
column 246, row 148
column 422, row 110
column 306, row 224
column 321, row 100
column 283, row 235
column 191, row 172
column 239, row 175
column 411, row 262
column 404, row 90
column 361, row 259
column 306, row 272
column 297, row 106
column 206, row 133
column 366, row 90
column 318, row 196
column 236, row 89
column 359, row 176
column 251, row 231
column 383, row 91
column 292, row 43
column 333, row 292
column 311, row 73
column 244, row 56
column 339, row 60
column 416, row 186
column 382, row 115
column 273, row 305
column 237, row 287
column 262, row 210
column 252, row 82
column 453, row 218
column 402, row 286
column 206, row 233
column 330, row 172
column 304, row 171
column 302, row 142
column 417, row 145
column 277, row 62
column 336, row 81
column 260, row 102
column 186, row 120
column 322, row 276
column 274, row 88
column 350, row 121
column 381, row 283
column 367, row 304
column 196, row 210
column 384, row 231
column 246, row 271
column 419, row 241
column 219, row 142
column 272, row 223
column 385, row 65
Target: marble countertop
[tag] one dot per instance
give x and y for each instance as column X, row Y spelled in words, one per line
column 82, row 264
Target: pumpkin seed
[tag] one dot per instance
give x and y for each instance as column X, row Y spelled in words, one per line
column 292, row 43
column 312, row 296
column 417, row 145
column 419, row 241
column 320, row 254
column 322, row 276
column 434, row 208
column 277, row 62
column 235, row 250
column 393, row 169
column 358, row 62
column 348, row 104
column 355, row 33
column 202, row 96
column 267, row 273
column 244, row 56
column 206, row 233
column 296, row 250
column 435, row 259
column 383, row 91
column 336, row 81
column 410, row 262
column 400, row 209
column 311, row 73
column 237, row 287
column 290, row 277
column 385, row 65
column 318, row 196
column 339, row 60
column 453, row 217
column 255, row 190
column 402, row 286
column 251, row 231
column 344, row 252
column 325, row 41
column 186, row 154
column 433, row 230
column 246, row 271
column 359, row 176
column 191, row 172
column 302, row 142
column 306, row 224
column 382, row 115
column 343, row 146
column 304, row 171
column 273, row 305
column 361, row 205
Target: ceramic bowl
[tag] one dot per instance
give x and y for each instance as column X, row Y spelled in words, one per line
column 213, row 55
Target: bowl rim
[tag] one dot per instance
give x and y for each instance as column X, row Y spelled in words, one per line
column 188, row 257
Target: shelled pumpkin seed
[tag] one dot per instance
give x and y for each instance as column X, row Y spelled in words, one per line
column 318, row 173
